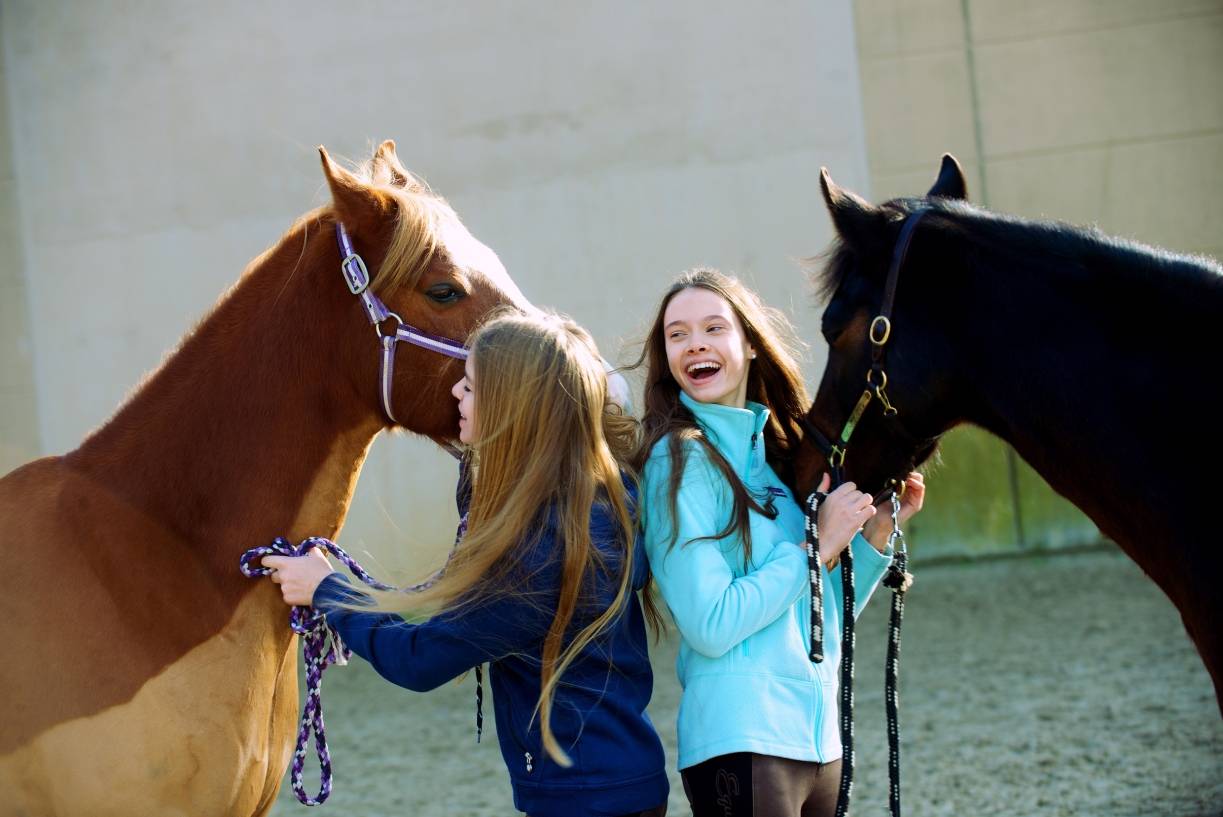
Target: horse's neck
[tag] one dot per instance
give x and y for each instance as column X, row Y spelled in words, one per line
column 1082, row 396
column 247, row 431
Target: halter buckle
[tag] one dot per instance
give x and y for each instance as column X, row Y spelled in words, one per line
column 356, row 274
column 836, row 457
column 880, row 390
column 888, row 409
column 881, row 330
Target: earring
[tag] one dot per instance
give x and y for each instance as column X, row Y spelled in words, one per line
column 753, row 355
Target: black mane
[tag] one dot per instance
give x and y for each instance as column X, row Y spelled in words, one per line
column 1028, row 243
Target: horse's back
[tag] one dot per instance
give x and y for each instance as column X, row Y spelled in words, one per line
column 129, row 685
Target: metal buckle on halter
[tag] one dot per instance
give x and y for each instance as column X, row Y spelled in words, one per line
column 880, row 389
column 836, row 457
column 879, row 325
column 358, row 280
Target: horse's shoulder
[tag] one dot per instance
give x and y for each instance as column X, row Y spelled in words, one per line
column 31, row 485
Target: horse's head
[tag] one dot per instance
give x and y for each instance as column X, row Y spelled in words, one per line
column 911, row 370
column 428, row 270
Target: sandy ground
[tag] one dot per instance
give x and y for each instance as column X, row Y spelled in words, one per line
column 1048, row 685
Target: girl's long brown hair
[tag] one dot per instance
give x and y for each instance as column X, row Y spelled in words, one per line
column 774, row 379
column 549, row 442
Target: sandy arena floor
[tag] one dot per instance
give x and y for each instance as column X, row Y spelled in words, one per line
column 1058, row 685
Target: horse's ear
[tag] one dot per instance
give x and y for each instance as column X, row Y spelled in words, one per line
column 358, row 206
column 950, row 183
column 387, row 168
column 858, row 222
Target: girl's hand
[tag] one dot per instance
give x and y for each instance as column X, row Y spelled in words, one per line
column 914, row 496
column 298, row 576
column 878, row 529
column 841, row 515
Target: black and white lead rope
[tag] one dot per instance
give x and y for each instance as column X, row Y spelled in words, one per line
column 897, row 580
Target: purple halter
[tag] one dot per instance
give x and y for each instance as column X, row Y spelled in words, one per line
column 356, row 275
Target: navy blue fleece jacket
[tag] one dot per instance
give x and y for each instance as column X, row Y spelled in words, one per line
column 598, row 713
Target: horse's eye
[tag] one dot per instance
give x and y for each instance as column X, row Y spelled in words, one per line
column 831, row 334
column 444, row 293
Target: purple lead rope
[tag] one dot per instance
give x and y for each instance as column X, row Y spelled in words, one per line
column 322, row 647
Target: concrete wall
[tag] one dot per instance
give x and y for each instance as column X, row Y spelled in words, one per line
column 148, row 151
column 599, row 148
column 18, row 420
column 1089, row 111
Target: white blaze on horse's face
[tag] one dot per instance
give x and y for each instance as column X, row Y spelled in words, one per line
column 475, row 260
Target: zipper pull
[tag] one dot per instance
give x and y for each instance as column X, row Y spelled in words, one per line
column 530, row 765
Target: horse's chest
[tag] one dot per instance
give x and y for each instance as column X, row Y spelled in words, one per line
column 211, row 734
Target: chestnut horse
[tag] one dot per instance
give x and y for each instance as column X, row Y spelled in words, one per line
column 146, row 675
column 1092, row 356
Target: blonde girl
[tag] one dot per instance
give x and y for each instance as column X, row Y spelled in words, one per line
column 543, row 585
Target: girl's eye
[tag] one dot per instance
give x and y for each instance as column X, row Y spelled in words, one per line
column 444, row 293
column 715, row 329
column 675, row 335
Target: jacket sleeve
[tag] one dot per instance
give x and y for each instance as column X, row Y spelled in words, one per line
column 869, row 568
column 714, row 609
column 426, row 655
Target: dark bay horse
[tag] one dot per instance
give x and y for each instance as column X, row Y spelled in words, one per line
column 144, row 674
column 1093, row 356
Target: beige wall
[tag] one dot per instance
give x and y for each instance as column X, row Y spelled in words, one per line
column 155, row 150
column 1106, row 112
column 599, row 148
column 1090, row 111
column 18, row 423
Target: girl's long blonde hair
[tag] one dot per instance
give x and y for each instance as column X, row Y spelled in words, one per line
column 550, row 444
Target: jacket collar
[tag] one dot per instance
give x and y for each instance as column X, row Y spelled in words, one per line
column 735, row 432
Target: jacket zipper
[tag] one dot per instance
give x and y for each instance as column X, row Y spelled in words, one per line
column 751, row 467
column 530, row 762
column 745, row 649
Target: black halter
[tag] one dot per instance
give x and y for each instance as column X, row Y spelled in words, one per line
column 879, row 334
column 876, row 388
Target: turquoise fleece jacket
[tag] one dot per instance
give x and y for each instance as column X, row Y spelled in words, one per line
column 748, row 685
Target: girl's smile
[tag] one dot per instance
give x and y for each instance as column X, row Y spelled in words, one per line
column 707, row 352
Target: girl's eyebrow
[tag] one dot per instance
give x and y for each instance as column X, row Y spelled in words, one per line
column 714, row 317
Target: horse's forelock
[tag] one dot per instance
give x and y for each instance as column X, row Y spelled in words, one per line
column 828, row 270
column 416, row 232
column 415, row 240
